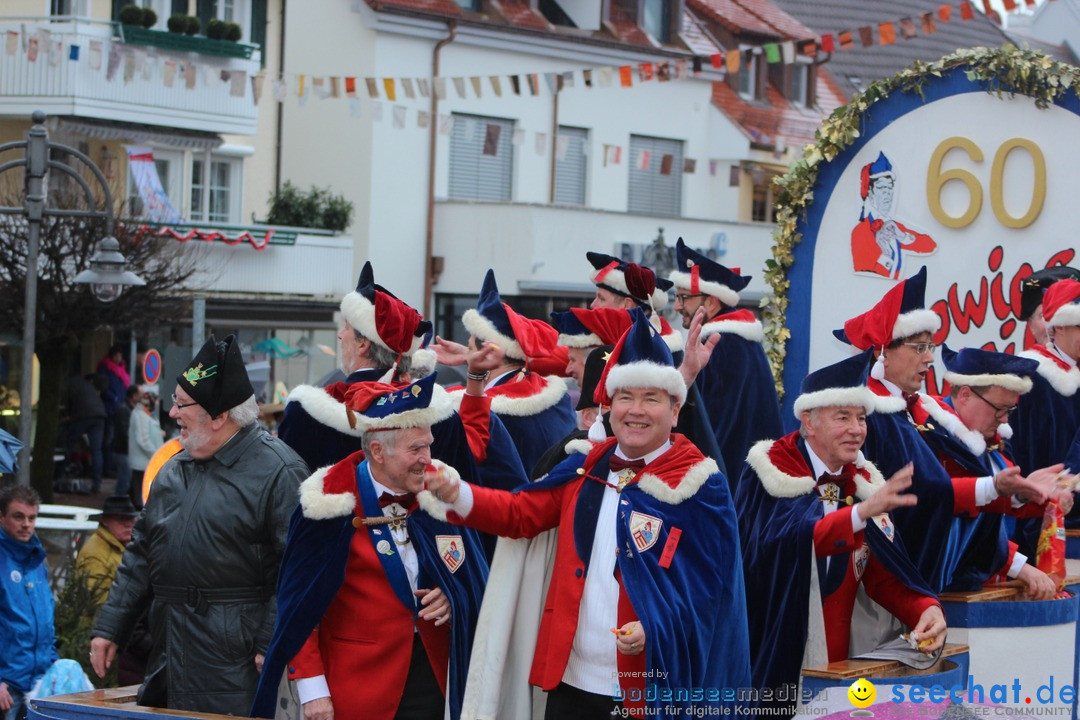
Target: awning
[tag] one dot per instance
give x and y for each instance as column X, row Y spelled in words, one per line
column 140, row 134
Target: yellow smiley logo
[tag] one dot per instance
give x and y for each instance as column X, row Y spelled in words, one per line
column 862, row 693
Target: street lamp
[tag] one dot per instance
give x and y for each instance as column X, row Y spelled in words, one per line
column 107, row 275
column 38, row 161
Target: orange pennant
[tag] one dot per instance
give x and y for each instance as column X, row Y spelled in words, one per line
column 626, row 75
column 734, row 60
column 944, row 13
column 388, row 85
column 886, row 33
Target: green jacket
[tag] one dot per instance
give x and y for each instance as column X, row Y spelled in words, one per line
column 98, row 560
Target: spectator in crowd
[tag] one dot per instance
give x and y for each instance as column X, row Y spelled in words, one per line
column 121, row 422
column 86, row 413
column 145, row 436
column 27, row 635
column 117, row 380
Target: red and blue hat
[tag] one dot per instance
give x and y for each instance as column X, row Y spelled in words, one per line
column 641, row 359
column 841, row 384
column 985, row 368
column 494, row 321
column 899, row 314
column 586, row 328
column 382, row 318
column 386, row 406
column 630, row 280
column 701, row 275
column 872, row 171
column 1061, row 304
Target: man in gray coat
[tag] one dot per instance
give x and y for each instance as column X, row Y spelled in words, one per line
column 205, row 552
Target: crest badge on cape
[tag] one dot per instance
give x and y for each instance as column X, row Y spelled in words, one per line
column 645, row 530
column 859, row 561
column 885, row 525
column 451, row 550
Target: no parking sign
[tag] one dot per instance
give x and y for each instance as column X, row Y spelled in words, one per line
column 151, row 366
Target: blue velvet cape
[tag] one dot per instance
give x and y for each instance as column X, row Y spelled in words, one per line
column 693, row 612
column 313, row 570
column 532, row 435
column 778, row 545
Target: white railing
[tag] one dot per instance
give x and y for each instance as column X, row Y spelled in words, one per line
column 117, row 81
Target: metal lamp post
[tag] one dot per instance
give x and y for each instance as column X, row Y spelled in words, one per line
column 37, row 163
column 107, row 276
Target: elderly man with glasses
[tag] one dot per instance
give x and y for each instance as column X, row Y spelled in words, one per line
column 985, row 388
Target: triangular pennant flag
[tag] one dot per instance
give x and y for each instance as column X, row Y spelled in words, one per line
column 491, row 139
column 440, row 88
column 828, row 43
column 626, row 76
column 388, row 86
column 425, row 87
column 496, row 85
column 407, row 86
column 540, row 143
column 11, row 44
column 350, row 87
column 866, row 35
column 549, row 78
column 318, row 86
column 663, row 72
column 887, row 33
column 689, row 166
column 928, row 25
column 604, row 76
column 515, row 84
column 129, row 66
column 645, row 71
column 1030, row 3
column 987, row 9
column 372, row 88
column 716, row 59
column 459, row 87
column 189, row 76
column 567, row 78
column 809, row 48
column 697, row 65
column 587, row 76
column 967, row 12
column 847, row 40
column 354, row 107
column 714, row 165
column 170, row 72
column 73, row 52
column 534, row 83
column 399, row 117
column 518, row 138
column 944, row 12
column 475, row 81
column 643, row 160
column 422, row 118
column 558, row 83
column 376, row 110
column 562, row 144
column 95, row 54
column 257, row 87
column 666, row 161
column 238, row 83
column 300, row 87
column 907, row 28
column 681, row 71
column 1010, row 5
column 279, row 90
column 734, row 61
column 772, row 53
column 787, row 52
column 607, row 151
column 32, row 49
column 446, row 124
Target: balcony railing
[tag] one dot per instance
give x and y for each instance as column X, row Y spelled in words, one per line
column 85, row 69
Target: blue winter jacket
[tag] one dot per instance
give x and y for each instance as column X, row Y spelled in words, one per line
column 27, row 634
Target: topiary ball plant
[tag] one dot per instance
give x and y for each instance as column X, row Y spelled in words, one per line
column 215, row 29
column 233, row 32
column 192, row 25
column 131, row 15
column 149, row 18
column 177, row 23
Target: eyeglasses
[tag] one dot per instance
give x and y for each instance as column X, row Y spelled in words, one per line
column 179, row 405
column 681, row 298
column 999, row 412
column 921, row 347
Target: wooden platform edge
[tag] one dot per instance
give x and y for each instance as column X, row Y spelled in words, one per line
column 851, row 669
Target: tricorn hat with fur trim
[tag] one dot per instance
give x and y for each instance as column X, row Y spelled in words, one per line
column 377, row 314
column 382, row 406
column 216, row 377
column 586, row 328
column 984, row 368
column 701, row 275
column 641, row 359
column 630, row 280
column 1035, row 285
column 841, row 384
column 899, row 314
column 1061, row 304
column 520, row 338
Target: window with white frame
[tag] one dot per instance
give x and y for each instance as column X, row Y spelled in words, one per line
column 216, row 187
column 800, row 85
column 571, row 164
column 481, row 158
column 656, row 173
column 169, row 165
column 748, row 84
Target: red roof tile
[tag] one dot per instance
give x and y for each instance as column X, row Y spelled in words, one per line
column 732, row 16
column 521, row 14
column 776, row 18
column 776, row 118
column 625, row 28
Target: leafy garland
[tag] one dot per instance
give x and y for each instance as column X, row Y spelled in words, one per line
column 1007, row 70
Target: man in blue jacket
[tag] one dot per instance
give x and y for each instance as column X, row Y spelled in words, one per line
column 27, row 637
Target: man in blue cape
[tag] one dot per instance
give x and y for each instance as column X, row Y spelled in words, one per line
column 813, row 516
column 645, row 605
column 378, row 595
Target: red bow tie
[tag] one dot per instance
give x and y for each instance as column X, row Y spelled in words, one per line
column 619, row 464
column 407, row 501
column 912, row 400
column 844, row 480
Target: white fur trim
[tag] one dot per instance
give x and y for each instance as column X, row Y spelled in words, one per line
column 726, row 295
column 835, row 397
column 776, row 482
column 781, row 485
column 674, row 341
column 1008, row 381
column 554, row 391
column 323, row 408
column 659, row 299
column 887, row 404
column 973, row 441
column 691, row 482
column 428, row 502
column 423, row 362
column 580, row 341
column 751, row 331
column 485, row 331
column 1005, row 430
column 579, row 445
column 646, row 375
column 437, row 410
column 1065, row 382
column 360, row 313
column 1068, row 314
column 915, row 323
column 317, row 505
